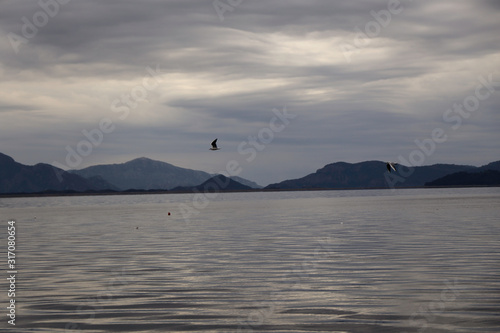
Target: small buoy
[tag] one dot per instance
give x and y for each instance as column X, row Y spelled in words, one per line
column 168, row 213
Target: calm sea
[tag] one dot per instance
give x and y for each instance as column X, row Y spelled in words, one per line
column 415, row 260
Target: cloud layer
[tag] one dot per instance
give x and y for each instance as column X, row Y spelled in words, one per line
column 364, row 79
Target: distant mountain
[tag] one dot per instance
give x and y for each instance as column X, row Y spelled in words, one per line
column 370, row 174
column 217, row 183
column 491, row 166
column 481, row 178
column 19, row 178
column 246, row 182
column 145, row 174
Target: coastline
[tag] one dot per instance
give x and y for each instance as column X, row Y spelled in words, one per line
column 146, row 192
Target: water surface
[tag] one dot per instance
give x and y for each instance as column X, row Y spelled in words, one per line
column 420, row 260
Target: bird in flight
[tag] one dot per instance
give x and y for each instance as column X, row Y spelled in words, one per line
column 214, row 145
column 391, row 166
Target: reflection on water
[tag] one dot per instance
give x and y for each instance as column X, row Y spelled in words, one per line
column 346, row 261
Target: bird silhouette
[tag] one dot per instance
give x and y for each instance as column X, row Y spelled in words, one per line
column 214, row 145
column 391, row 166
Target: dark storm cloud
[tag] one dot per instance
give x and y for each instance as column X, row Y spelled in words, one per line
column 223, row 78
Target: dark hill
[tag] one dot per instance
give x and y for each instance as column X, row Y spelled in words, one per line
column 490, row 166
column 145, row 174
column 19, row 178
column 217, row 183
column 370, row 174
column 481, row 178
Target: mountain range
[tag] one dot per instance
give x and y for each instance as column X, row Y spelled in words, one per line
column 18, row 178
column 373, row 174
column 143, row 174
column 487, row 175
column 140, row 174
column 146, row 174
column 215, row 184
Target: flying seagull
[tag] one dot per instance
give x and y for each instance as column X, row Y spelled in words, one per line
column 391, row 166
column 214, row 145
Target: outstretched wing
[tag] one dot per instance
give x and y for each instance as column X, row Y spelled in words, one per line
column 214, row 143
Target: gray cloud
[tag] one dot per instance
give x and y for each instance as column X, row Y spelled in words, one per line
column 222, row 79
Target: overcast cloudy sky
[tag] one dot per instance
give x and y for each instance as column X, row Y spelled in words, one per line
column 352, row 81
